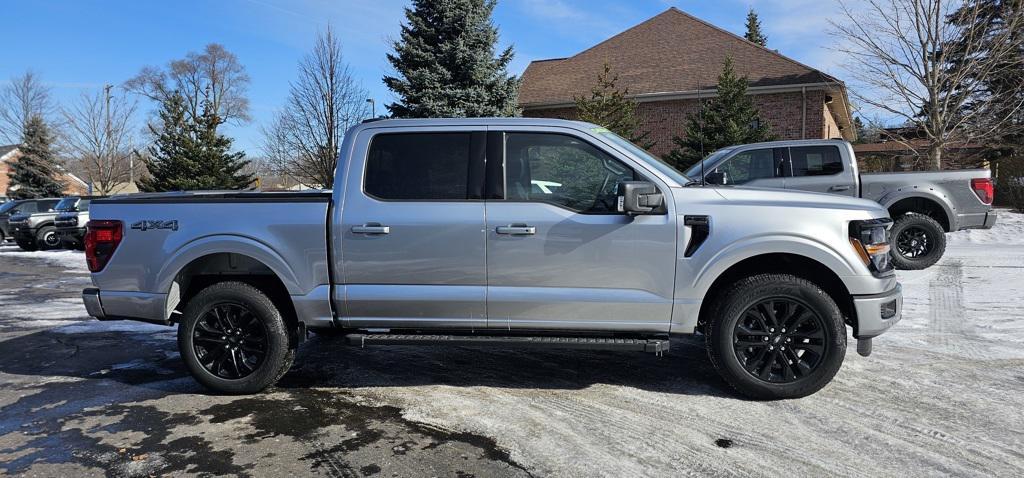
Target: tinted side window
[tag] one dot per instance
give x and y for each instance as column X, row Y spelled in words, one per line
column 26, row 207
column 749, row 165
column 48, row 205
column 816, row 160
column 562, row 170
column 418, row 166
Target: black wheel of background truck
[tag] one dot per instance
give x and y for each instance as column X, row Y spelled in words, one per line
column 47, row 238
column 917, row 242
column 234, row 340
column 27, row 245
column 776, row 336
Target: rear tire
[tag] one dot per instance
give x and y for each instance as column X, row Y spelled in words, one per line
column 776, row 336
column 47, row 238
column 234, row 340
column 918, row 242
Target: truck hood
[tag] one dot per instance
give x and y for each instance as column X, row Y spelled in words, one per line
column 787, row 197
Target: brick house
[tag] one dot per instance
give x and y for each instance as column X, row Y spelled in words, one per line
column 671, row 61
column 73, row 185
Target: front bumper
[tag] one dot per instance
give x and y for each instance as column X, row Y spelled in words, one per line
column 75, row 234
column 877, row 312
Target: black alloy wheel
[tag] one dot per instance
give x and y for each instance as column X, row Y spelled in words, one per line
column 230, row 341
column 913, row 242
column 780, row 340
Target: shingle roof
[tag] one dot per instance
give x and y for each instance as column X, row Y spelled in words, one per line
column 4, row 149
column 669, row 53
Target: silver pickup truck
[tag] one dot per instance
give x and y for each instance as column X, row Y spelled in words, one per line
column 925, row 204
column 500, row 233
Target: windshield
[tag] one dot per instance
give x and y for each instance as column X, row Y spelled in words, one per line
column 694, row 171
column 7, row 206
column 67, row 204
column 649, row 158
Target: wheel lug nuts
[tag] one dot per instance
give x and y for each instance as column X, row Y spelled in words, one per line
column 782, row 347
column 770, row 347
column 783, row 330
column 788, row 340
column 766, row 339
column 771, row 329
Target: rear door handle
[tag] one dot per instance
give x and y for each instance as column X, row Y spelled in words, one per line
column 371, row 229
column 839, row 188
column 516, row 230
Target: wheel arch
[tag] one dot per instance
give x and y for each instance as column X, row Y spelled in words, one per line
column 211, row 260
column 798, row 265
column 933, row 206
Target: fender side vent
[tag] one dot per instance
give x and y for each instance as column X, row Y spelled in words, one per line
column 700, row 228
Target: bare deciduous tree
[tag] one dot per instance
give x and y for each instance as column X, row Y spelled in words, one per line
column 21, row 99
column 304, row 138
column 214, row 75
column 99, row 135
column 900, row 55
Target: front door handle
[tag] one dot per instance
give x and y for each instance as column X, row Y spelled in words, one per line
column 517, row 230
column 839, row 188
column 371, row 229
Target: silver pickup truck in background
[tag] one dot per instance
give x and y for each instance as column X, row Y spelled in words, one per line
column 924, row 204
column 500, row 233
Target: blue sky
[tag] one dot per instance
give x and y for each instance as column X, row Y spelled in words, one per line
column 81, row 45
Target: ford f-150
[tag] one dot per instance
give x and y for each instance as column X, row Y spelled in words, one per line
column 500, row 233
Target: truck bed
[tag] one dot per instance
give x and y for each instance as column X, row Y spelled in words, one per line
column 163, row 233
column 954, row 187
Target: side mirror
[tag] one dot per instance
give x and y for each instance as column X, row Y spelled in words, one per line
column 716, row 177
column 640, row 197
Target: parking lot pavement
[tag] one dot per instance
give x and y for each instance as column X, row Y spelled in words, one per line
column 941, row 395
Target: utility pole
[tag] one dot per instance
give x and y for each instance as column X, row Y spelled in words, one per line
column 373, row 108
column 106, row 128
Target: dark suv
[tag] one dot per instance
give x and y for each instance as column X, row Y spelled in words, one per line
column 72, row 215
column 24, row 206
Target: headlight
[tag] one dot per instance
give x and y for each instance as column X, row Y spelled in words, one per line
column 870, row 239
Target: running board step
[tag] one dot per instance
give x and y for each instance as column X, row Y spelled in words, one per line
column 656, row 346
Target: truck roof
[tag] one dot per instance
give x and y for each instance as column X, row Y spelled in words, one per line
column 788, row 142
column 395, row 123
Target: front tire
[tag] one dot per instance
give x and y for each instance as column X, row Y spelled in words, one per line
column 918, row 242
column 233, row 339
column 776, row 336
column 29, row 246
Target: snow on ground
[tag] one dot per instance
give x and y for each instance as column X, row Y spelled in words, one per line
column 941, row 395
column 72, row 260
column 1009, row 230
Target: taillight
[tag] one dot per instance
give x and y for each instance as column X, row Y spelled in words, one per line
column 984, row 188
column 101, row 238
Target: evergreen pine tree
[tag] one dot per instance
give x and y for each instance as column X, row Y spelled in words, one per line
column 608, row 106
column 446, row 65
column 754, row 29
column 729, row 118
column 189, row 155
column 35, row 173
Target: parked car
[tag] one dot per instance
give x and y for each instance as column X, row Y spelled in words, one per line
column 72, row 216
column 33, row 229
column 434, row 235
column 21, row 207
column 925, row 204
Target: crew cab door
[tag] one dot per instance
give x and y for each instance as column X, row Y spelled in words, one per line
column 559, row 254
column 412, row 230
column 820, row 169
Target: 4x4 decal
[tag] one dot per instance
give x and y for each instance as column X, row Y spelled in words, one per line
column 148, row 225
